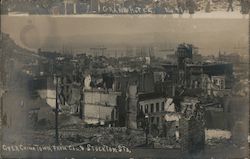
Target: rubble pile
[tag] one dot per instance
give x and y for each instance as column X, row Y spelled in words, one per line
column 165, row 143
column 103, row 136
column 215, row 137
column 42, row 138
column 29, row 137
column 217, row 141
column 113, row 137
column 216, row 5
column 107, row 6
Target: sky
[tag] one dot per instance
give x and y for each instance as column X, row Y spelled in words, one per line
column 78, row 33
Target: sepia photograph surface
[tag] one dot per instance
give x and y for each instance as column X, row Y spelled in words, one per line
column 124, row 79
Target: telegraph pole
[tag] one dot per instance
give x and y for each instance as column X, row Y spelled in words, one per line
column 147, row 127
column 56, row 114
column 2, row 71
column 91, row 6
column 2, row 90
column 81, row 103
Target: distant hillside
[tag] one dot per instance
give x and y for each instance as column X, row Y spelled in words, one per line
column 12, row 50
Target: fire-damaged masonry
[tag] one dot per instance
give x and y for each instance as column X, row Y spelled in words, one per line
column 184, row 103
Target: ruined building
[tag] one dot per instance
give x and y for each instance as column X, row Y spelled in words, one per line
column 208, row 77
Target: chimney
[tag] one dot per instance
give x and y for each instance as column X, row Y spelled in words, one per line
column 132, row 107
